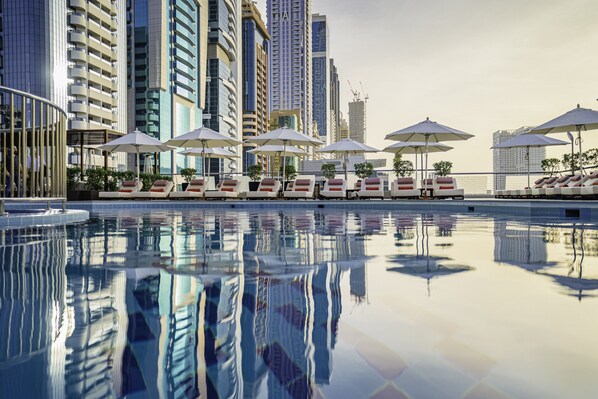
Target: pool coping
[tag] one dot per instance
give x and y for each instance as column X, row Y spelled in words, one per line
column 587, row 210
column 44, row 218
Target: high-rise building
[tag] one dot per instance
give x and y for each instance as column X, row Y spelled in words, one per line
column 513, row 160
column 289, row 25
column 335, row 103
column 33, row 48
column 223, row 91
column 256, row 112
column 357, row 120
column 321, row 77
column 343, row 128
column 167, row 77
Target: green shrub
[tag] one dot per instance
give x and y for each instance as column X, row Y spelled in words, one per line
column 551, row 166
column 364, row 170
column 188, row 174
column 73, row 176
column 443, row 168
column 255, row 172
column 148, row 179
column 329, row 171
column 95, row 179
column 290, row 172
column 402, row 168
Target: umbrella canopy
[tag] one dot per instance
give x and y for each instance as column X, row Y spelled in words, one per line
column 203, row 138
column 284, row 136
column 528, row 141
column 417, row 147
column 135, row 142
column 277, row 150
column 428, row 132
column 346, row 147
column 577, row 119
column 210, row 153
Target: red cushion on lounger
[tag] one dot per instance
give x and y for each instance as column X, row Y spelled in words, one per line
column 229, row 183
column 595, row 183
column 157, row 190
column 129, row 184
column 197, row 182
column 302, row 182
column 267, row 190
column 539, row 181
column 336, row 182
column 227, row 189
column 268, row 182
column 406, row 188
column 372, row 180
column 335, row 189
column 405, row 180
column 124, row 190
column 446, row 188
column 372, row 189
column 161, row 183
column 302, row 189
column 444, row 180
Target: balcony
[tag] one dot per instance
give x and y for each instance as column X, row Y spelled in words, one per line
column 78, row 89
column 78, row 72
column 78, row 107
column 77, row 55
column 77, row 19
column 77, row 124
column 77, row 36
column 77, row 4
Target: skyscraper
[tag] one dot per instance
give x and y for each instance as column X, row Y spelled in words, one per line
column 357, row 121
column 167, row 79
column 335, row 103
column 289, row 25
column 256, row 113
column 513, row 160
column 321, row 76
column 223, row 90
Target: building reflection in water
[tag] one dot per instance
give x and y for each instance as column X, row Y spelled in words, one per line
column 204, row 304
column 526, row 246
column 423, row 264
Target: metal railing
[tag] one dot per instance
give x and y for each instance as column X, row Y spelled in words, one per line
column 47, row 201
column 32, row 146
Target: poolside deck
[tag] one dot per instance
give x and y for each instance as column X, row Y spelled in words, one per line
column 586, row 210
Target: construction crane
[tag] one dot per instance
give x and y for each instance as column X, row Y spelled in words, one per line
column 365, row 112
column 356, row 94
column 367, row 96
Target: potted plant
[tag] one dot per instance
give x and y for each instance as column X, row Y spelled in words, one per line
column 402, row 168
column 328, row 171
column 255, row 172
column 95, row 181
column 290, row 174
column 443, row 168
column 148, row 179
column 364, row 170
column 188, row 175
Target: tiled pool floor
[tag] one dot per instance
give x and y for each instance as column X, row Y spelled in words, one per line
column 305, row 303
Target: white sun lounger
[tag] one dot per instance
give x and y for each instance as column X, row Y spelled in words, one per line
column 302, row 188
column 268, row 189
column 371, row 187
column 125, row 191
column 404, row 187
column 159, row 190
column 335, row 188
column 229, row 189
column 195, row 189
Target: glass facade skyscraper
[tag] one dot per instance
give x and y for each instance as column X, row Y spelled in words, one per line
column 289, row 25
column 223, row 89
column 255, row 78
column 321, row 76
column 335, row 103
column 167, row 53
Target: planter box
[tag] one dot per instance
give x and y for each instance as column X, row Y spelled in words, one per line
column 253, row 185
column 83, row 195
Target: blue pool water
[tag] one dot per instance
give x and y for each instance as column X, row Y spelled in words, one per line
column 330, row 304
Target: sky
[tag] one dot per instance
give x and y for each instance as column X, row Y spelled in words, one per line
column 474, row 65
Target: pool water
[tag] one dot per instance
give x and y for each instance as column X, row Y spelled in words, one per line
column 323, row 304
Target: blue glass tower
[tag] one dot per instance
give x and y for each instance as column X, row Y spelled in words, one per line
column 321, row 76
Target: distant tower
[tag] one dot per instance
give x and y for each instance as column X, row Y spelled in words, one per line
column 289, row 25
column 321, row 77
column 335, row 103
column 358, row 116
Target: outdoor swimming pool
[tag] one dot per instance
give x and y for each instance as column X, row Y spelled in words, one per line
column 300, row 303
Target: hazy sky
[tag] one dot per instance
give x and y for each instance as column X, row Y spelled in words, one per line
column 475, row 65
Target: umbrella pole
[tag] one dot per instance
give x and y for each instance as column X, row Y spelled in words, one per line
column 284, row 164
column 137, row 148
column 203, row 161
column 580, row 154
column 427, row 138
column 527, row 157
column 415, row 168
column 346, row 166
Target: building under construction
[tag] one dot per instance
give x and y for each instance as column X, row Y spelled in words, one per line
column 358, row 116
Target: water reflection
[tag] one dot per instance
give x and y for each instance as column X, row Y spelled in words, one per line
column 422, row 264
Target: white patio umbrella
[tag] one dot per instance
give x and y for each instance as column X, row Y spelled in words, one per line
column 528, row 141
column 277, row 150
column 285, row 136
column 416, row 148
column 346, row 147
column 135, row 142
column 203, row 138
column 577, row 119
column 428, row 132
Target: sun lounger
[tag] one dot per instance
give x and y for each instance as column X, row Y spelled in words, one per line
column 334, row 188
column 446, row 187
column 404, row 187
column 159, row 190
column 228, row 189
column 538, row 190
column 302, row 188
column 575, row 190
column 562, row 182
column 125, row 191
column 195, row 189
column 513, row 193
column 590, row 188
column 371, row 187
column 268, row 189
